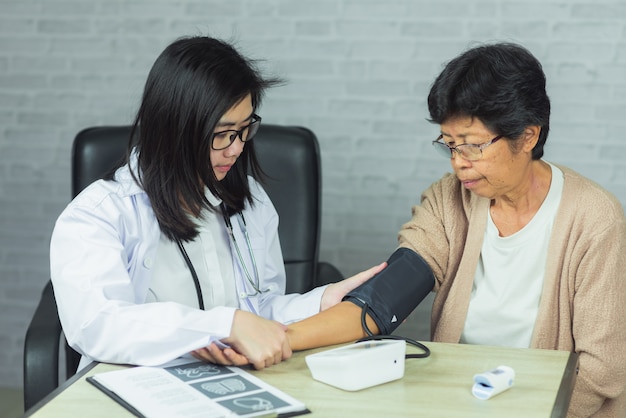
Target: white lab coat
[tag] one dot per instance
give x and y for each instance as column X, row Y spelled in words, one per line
column 101, row 253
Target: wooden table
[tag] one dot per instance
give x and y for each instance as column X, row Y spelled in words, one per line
column 437, row 386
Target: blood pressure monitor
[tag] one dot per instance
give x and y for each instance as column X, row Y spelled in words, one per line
column 360, row 365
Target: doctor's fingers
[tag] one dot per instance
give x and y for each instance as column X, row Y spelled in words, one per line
column 214, row 354
column 285, row 352
column 234, row 357
column 203, row 354
column 360, row 278
column 268, row 361
column 261, row 362
column 263, row 341
column 272, row 355
column 335, row 292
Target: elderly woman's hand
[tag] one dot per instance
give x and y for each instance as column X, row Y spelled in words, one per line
column 335, row 292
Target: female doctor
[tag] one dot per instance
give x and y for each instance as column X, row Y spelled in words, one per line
column 177, row 250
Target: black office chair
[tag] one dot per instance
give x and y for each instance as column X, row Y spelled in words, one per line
column 290, row 158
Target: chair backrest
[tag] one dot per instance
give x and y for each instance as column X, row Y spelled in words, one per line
column 288, row 155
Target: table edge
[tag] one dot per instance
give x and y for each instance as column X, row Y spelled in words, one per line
column 564, row 394
column 77, row 376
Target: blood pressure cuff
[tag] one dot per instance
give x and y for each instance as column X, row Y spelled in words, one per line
column 396, row 291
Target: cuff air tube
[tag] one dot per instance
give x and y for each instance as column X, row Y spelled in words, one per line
column 396, row 291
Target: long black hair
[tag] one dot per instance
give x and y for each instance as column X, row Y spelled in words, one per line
column 501, row 84
column 191, row 85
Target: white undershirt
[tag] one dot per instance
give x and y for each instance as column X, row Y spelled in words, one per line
column 210, row 254
column 509, row 278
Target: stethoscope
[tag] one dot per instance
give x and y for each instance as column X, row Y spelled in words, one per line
column 256, row 283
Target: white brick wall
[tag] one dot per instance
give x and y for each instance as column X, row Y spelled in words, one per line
column 358, row 73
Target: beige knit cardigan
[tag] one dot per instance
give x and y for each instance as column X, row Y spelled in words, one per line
column 583, row 301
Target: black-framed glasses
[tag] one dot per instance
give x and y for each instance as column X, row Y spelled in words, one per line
column 223, row 139
column 470, row 152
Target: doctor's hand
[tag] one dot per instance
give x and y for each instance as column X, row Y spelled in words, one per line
column 253, row 340
column 335, row 292
column 216, row 354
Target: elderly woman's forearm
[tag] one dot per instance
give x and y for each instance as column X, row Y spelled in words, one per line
column 339, row 324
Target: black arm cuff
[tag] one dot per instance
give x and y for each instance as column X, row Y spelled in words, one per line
column 396, row 291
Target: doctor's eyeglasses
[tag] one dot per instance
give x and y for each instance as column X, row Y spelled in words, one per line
column 223, row 139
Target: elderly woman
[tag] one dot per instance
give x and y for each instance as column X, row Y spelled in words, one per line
column 524, row 252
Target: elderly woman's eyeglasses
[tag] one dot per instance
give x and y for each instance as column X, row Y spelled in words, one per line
column 223, row 139
column 471, row 152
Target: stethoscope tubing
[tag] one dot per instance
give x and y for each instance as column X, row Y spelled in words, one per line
column 256, row 284
column 229, row 227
